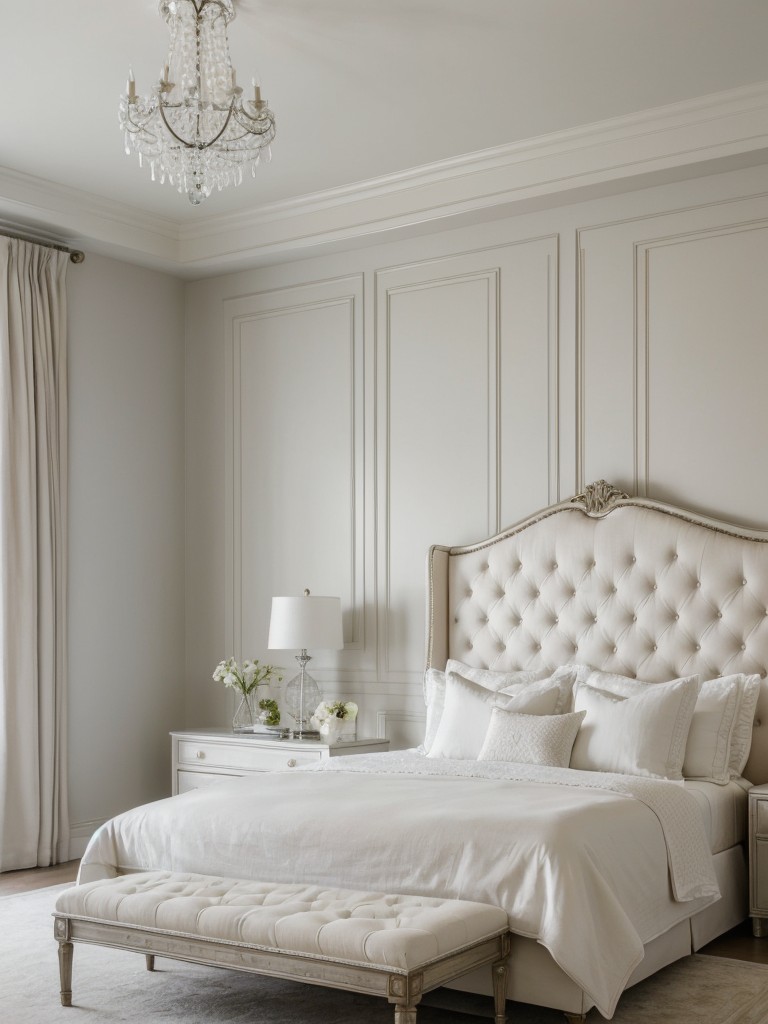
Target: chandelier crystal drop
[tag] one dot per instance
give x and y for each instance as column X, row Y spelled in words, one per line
column 195, row 129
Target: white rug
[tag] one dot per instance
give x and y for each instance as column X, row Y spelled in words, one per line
column 113, row 985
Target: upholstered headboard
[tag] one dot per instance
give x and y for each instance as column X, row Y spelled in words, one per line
column 623, row 584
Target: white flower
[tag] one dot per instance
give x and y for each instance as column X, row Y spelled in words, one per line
column 338, row 709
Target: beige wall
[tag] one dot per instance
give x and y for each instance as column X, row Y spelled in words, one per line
column 126, row 529
column 343, row 413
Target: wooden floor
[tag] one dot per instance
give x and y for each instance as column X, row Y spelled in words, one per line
column 738, row 944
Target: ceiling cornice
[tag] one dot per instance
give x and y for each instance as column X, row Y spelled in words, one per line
column 664, row 139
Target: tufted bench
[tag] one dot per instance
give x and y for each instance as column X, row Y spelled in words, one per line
column 393, row 946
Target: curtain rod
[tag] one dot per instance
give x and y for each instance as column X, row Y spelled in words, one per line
column 75, row 255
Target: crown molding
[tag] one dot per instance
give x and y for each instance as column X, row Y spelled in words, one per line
column 664, row 140
column 86, row 221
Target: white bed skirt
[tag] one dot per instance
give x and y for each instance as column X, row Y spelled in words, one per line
column 535, row 978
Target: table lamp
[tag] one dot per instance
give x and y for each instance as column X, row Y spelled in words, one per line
column 297, row 623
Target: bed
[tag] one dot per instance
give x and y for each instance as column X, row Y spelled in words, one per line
column 609, row 606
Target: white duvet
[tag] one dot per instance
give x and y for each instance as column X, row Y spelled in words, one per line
column 592, row 865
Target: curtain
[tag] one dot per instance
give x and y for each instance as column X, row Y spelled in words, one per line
column 34, row 825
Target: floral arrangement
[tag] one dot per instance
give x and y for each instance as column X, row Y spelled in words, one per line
column 327, row 718
column 270, row 712
column 245, row 679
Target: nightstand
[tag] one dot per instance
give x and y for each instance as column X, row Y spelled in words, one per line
column 203, row 757
column 758, row 859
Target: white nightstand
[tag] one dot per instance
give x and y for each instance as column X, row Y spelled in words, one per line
column 202, row 757
column 758, row 859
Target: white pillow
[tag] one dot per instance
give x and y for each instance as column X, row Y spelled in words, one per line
column 509, row 682
column 496, row 680
column 467, row 711
column 644, row 734
column 530, row 739
column 708, row 749
column 434, row 697
column 741, row 739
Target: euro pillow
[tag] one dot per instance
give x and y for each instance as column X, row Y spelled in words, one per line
column 708, row 749
column 493, row 680
column 468, row 705
column 741, row 740
column 643, row 734
column 530, row 739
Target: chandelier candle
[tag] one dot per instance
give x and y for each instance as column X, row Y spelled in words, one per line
column 194, row 129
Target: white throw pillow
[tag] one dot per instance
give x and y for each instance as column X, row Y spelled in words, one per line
column 467, row 711
column 708, row 749
column 644, row 734
column 741, row 738
column 531, row 739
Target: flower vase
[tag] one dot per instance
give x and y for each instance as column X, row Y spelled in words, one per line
column 246, row 716
column 331, row 730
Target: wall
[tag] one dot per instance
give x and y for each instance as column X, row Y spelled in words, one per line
column 126, row 529
column 344, row 413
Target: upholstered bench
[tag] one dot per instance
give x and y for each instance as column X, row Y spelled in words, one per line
column 398, row 947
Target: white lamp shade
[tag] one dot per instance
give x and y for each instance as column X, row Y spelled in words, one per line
column 299, row 623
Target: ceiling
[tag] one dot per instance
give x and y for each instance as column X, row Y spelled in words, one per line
column 360, row 88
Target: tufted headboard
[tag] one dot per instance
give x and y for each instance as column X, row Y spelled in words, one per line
column 623, row 584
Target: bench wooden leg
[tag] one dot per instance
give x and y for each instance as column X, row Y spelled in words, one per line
column 576, row 1018
column 150, row 958
column 66, row 950
column 499, row 970
column 405, row 1014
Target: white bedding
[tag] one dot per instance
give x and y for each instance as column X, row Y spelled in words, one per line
column 723, row 810
column 584, row 862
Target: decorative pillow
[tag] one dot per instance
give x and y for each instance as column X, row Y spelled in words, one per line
column 530, row 739
column 746, row 705
column 709, row 740
column 644, row 734
column 468, row 706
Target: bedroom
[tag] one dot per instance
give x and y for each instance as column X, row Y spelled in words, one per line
column 533, row 258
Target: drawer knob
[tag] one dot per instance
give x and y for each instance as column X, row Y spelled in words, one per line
column 292, row 762
column 200, row 754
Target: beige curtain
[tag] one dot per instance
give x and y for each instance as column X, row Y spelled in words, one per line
column 34, row 826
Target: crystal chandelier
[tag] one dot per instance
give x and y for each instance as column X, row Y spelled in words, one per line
column 195, row 129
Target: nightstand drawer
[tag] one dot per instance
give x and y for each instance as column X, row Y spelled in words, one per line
column 186, row 781
column 244, row 756
column 761, row 818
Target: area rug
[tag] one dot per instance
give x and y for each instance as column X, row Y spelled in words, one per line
column 113, row 985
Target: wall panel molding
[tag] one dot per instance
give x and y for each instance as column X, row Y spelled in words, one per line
column 504, row 388
column 282, row 319
column 617, row 394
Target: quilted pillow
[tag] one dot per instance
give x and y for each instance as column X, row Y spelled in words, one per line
column 468, row 706
column 644, row 734
column 531, row 739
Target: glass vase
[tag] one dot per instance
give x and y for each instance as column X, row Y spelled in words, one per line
column 246, row 716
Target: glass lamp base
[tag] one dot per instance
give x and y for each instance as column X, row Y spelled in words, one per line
column 301, row 706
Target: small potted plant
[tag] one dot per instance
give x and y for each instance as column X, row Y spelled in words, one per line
column 329, row 718
column 245, row 680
